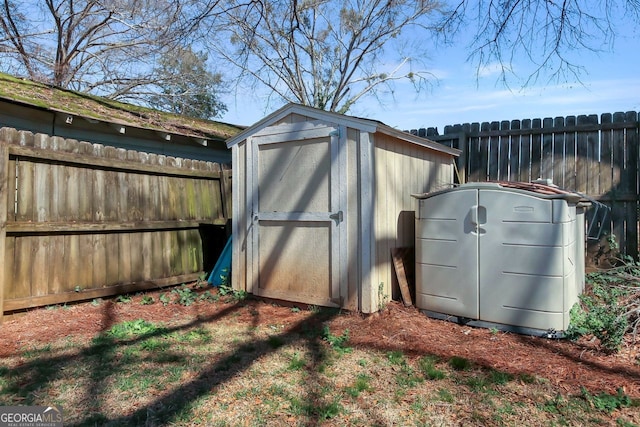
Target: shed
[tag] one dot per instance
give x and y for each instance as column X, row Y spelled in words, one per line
column 505, row 253
column 320, row 199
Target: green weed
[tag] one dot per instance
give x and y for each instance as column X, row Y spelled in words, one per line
column 164, row 299
column 124, row 299
column 607, row 402
column 338, row 343
column 232, row 295
column 147, row 300
column 184, row 295
column 132, row 328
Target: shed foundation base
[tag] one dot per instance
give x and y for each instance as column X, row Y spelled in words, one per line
column 550, row 333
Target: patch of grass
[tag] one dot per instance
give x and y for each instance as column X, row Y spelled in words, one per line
column 429, row 370
column 445, row 395
column 227, row 363
column 223, row 372
column 275, row 341
column 314, row 309
column 200, row 335
column 154, row 344
column 36, row 352
column 527, row 378
column 477, row 383
column 133, row 328
column 407, row 376
column 459, row 363
column 316, row 410
column 499, row 377
column 362, row 383
column 296, row 362
column 607, row 402
column 396, row 357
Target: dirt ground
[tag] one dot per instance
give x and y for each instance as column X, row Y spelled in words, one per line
column 568, row 365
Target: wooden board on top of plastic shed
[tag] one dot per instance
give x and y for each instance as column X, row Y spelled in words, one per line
column 320, row 199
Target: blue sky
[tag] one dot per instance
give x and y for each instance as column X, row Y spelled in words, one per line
column 609, row 83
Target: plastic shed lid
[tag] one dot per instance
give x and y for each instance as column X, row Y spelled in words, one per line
column 544, row 191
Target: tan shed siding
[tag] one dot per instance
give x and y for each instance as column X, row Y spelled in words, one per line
column 401, row 169
column 292, row 118
column 240, row 216
column 351, row 301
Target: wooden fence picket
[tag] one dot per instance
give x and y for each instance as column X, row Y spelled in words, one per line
column 80, row 221
column 596, row 156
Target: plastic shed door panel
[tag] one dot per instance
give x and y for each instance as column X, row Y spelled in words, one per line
column 522, row 261
column 447, row 253
column 529, row 234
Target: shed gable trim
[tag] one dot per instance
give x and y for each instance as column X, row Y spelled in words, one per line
column 294, row 131
column 363, row 125
column 313, row 113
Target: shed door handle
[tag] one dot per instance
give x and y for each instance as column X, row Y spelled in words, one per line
column 474, row 215
column 337, row 217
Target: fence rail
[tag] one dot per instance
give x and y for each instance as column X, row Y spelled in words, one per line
column 81, row 221
column 595, row 155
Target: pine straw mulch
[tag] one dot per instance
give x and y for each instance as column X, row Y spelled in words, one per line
column 567, row 365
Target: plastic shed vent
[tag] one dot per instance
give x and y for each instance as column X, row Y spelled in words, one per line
column 503, row 253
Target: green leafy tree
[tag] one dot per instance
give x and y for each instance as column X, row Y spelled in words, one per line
column 186, row 86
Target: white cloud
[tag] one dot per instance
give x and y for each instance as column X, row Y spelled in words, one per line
column 491, row 70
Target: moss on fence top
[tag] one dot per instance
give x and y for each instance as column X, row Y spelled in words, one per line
column 107, row 110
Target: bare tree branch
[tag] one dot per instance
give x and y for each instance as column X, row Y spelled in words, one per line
column 323, row 53
column 547, row 33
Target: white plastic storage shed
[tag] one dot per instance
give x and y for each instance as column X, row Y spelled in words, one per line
column 319, row 201
column 503, row 253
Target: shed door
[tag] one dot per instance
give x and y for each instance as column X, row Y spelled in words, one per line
column 522, row 263
column 298, row 219
column 447, row 253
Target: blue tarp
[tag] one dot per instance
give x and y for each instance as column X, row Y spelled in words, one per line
column 222, row 270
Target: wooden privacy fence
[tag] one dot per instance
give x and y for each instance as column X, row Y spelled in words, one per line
column 81, row 221
column 595, row 156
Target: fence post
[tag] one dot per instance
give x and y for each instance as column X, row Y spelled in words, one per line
column 225, row 186
column 4, row 196
column 464, row 152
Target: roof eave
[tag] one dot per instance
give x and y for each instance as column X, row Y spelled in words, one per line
column 364, row 125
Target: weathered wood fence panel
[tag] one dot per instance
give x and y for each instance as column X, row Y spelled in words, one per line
column 594, row 155
column 80, row 221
